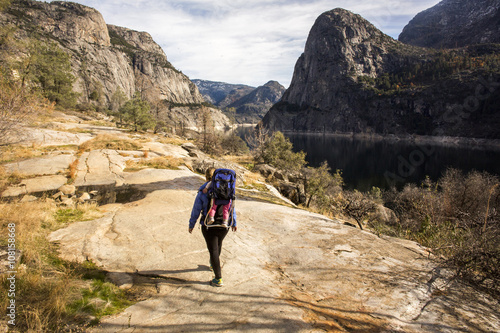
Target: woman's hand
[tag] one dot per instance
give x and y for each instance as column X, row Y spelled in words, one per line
column 234, row 229
column 190, row 230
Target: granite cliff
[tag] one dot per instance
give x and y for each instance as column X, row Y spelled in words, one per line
column 352, row 78
column 455, row 23
column 107, row 58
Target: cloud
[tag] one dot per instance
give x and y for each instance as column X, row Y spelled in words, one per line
column 238, row 41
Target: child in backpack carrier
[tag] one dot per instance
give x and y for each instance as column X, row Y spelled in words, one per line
column 213, row 210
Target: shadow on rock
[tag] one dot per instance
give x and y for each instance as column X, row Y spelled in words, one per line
column 108, row 194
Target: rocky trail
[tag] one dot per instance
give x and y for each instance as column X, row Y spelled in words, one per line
column 285, row 269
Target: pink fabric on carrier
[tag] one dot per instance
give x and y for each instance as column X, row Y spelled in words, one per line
column 225, row 211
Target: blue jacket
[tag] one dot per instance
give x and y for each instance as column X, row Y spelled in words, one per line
column 201, row 205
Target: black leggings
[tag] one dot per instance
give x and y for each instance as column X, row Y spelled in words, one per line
column 214, row 237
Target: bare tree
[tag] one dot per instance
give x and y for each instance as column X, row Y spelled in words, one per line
column 17, row 106
column 357, row 206
column 209, row 138
column 256, row 140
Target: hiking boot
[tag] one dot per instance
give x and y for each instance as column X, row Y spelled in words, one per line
column 225, row 223
column 216, row 283
column 210, row 220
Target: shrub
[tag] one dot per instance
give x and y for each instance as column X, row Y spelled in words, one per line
column 355, row 205
column 4, row 4
column 458, row 219
column 472, row 203
column 277, row 151
column 234, row 145
column 320, row 183
column 17, row 107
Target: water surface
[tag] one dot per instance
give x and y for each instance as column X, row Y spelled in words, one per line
column 381, row 163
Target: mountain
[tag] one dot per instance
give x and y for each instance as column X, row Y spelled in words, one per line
column 252, row 107
column 455, row 23
column 250, row 104
column 217, row 92
column 352, row 78
column 107, row 58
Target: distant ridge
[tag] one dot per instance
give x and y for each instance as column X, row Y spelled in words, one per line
column 216, row 92
column 250, row 104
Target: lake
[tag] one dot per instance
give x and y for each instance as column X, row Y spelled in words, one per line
column 366, row 163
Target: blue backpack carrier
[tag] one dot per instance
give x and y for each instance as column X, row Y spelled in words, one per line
column 222, row 191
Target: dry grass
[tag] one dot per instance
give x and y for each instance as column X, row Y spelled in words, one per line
column 49, row 289
column 45, row 112
column 107, row 141
column 72, row 170
column 255, row 181
column 14, row 153
column 240, row 159
column 173, row 141
column 102, row 123
column 7, row 179
column 76, row 130
column 165, row 162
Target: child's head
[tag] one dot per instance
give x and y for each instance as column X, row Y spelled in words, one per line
column 209, row 173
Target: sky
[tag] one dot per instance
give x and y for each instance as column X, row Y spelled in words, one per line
column 243, row 41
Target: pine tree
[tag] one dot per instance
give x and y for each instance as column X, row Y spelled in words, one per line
column 49, row 68
column 136, row 112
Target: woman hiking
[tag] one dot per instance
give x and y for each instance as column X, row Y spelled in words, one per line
column 214, row 235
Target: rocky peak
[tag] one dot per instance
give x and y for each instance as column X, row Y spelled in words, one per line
column 66, row 20
column 138, row 39
column 455, row 23
column 252, row 107
column 352, row 78
column 341, row 45
column 270, row 92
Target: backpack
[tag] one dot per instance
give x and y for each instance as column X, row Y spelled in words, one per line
column 221, row 191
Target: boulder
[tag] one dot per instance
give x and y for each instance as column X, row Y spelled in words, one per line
column 162, row 149
column 67, row 189
column 384, row 215
column 69, row 202
column 84, row 197
column 121, row 280
column 14, row 191
column 193, row 151
column 265, row 170
column 29, row 198
column 292, row 191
